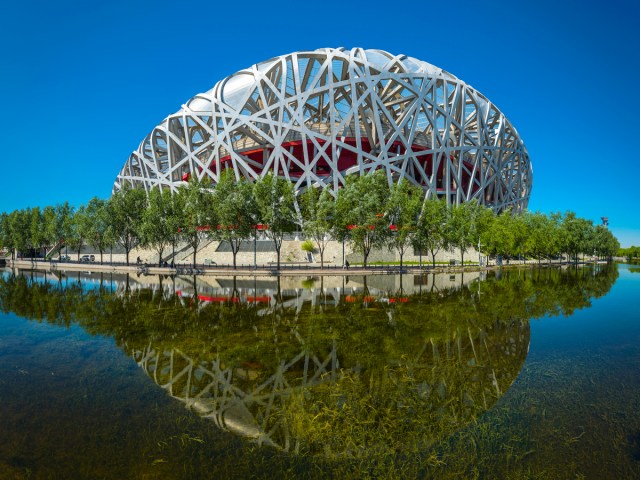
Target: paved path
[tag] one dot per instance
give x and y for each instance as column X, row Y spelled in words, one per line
column 259, row 271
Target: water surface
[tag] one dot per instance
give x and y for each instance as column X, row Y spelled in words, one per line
column 515, row 374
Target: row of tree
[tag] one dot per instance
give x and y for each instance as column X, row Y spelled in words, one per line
column 632, row 254
column 365, row 213
column 130, row 218
column 370, row 215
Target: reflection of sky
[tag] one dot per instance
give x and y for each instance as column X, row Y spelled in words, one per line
column 613, row 321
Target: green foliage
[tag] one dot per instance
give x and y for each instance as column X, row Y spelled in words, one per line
column 234, row 209
column 98, row 229
column 196, row 215
column 360, row 212
column 576, row 235
column 403, row 212
column 466, row 223
column 432, row 227
column 318, row 215
column 632, row 253
column 366, row 213
column 78, row 229
column 160, row 221
column 125, row 209
column 274, row 198
column 307, row 246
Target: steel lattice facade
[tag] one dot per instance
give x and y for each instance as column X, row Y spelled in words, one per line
column 315, row 117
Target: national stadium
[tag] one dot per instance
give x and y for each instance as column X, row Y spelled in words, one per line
column 314, row 117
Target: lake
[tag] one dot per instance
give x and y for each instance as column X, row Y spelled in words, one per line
column 522, row 373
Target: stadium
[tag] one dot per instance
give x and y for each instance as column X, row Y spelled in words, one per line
column 315, row 117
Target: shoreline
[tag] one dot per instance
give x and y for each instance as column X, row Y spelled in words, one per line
column 285, row 270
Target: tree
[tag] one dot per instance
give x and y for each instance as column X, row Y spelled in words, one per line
column 235, row 210
column 59, row 226
column 125, row 209
column 576, row 234
column 554, row 234
column 360, row 210
column 499, row 240
column 483, row 219
column 275, row 201
column 157, row 229
column 6, row 240
column 464, row 226
column 98, row 229
column 605, row 243
column 48, row 220
column 318, row 212
column 196, row 222
column 37, row 232
column 79, row 227
column 521, row 234
column 431, row 227
column 403, row 212
column 19, row 221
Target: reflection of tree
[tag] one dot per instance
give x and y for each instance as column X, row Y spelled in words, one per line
column 340, row 380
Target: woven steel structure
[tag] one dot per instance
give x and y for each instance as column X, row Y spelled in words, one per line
column 315, row 117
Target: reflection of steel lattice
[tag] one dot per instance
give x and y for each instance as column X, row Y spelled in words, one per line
column 457, row 377
column 215, row 391
column 314, row 117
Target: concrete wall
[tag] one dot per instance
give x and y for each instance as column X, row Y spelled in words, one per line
column 291, row 253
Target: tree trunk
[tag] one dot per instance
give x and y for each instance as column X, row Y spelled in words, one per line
column 235, row 248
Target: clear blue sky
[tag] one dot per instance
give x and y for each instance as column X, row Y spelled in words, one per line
column 83, row 82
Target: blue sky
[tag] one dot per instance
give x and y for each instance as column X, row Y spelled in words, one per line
column 82, row 83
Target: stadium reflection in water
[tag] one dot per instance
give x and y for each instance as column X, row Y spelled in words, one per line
column 331, row 365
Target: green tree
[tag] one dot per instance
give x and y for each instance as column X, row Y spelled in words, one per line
column 499, row 240
column 19, row 227
column 59, row 226
column 157, row 229
column 275, row 199
column 37, row 233
column 78, row 229
column 98, row 229
column 318, row 213
column 576, row 234
column 403, row 212
column 195, row 199
column 484, row 218
column 538, row 226
column 360, row 210
column 521, row 234
column 174, row 220
column 465, row 224
column 605, row 243
column 125, row 209
column 235, row 211
column 6, row 240
column 431, row 230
